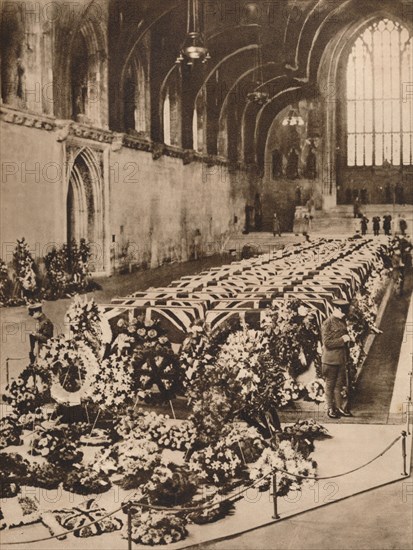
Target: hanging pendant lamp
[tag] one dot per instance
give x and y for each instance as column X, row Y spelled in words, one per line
column 258, row 96
column 194, row 47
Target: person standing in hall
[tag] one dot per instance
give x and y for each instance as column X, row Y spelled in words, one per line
column 42, row 333
column 402, row 225
column 334, row 358
column 376, row 225
column 276, row 229
column 363, row 224
column 387, row 224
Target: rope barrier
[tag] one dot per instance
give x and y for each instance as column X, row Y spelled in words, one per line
column 211, row 504
column 130, row 503
column 316, row 478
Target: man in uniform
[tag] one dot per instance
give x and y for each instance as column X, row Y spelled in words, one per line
column 334, row 358
column 42, row 333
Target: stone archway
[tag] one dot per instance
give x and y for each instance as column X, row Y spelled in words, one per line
column 84, row 206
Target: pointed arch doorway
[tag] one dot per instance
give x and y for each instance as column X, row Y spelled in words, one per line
column 84, row 206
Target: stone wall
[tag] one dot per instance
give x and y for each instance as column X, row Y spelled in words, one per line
column 154, row 211
column 158, row 207
column 31, row 194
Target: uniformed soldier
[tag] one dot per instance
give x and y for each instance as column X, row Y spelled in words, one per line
column 42, row 333
column 334, row 358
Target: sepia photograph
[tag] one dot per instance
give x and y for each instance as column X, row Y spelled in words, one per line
column 206, row 280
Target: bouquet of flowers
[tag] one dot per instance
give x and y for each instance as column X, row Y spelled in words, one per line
column 294, row 336
column 55, row 445
column 283, row 457
column 77, row 259
column 30, row 419
column 170, row 485
column 289, row 391
column 216, row 464
column 29, row 391
column 111, row 383
column 309, row 428
column 47, row 476
column 15, row 471
column 6, row 286
column 245, row 441
column 136, row 459
column 10, row 431
column 315, row 390
column 106, row 460
column 138, row 422
column 85, row 322
column 178, row 437
column 156, row 528
column 86, row 481
column 56, row 274
column 23, row 264
column 217, row 508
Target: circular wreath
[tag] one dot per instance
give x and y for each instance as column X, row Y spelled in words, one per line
column 157, row 367
column 71, row 364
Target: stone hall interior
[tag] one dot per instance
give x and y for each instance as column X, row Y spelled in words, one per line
column 140, row 151
column 185, row 165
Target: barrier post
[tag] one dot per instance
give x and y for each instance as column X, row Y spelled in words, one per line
column 7, row 371
column 129, row 526
column 404, row 454
column 274, row 495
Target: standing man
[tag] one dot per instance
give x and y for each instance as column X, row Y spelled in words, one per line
column 276, row 229
column 363, row 224
column 387, row 224
column 334, row 358
column 376, row 225
column 43, row 331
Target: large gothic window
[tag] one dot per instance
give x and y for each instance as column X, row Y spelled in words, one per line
column 379, row 105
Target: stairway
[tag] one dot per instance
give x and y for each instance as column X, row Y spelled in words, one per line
column 340, row 220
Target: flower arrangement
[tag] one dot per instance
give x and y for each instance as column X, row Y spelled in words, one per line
column 283, row 457
column 245, row 441
column 10, row 431
column 178, row 437
column 85, row 322
column 141, row 423
column 157, row 372
column 23, row 264
column 55, row 445
column 295, row 336
column 111, row 383
column 216, row 464
column 15, row 472
column 106, row 460
column 77, row 257
column 46, row 476
column 216, row 508
column 155, row 528
column 29, row 391
column 69, row 362
column 6, row 287
column 136, row 460
column 170, row 485
column 86, row 481
column 30, row 419
column 315, row 390
column 308, row 428
column 289, row 391
column 57, row 276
